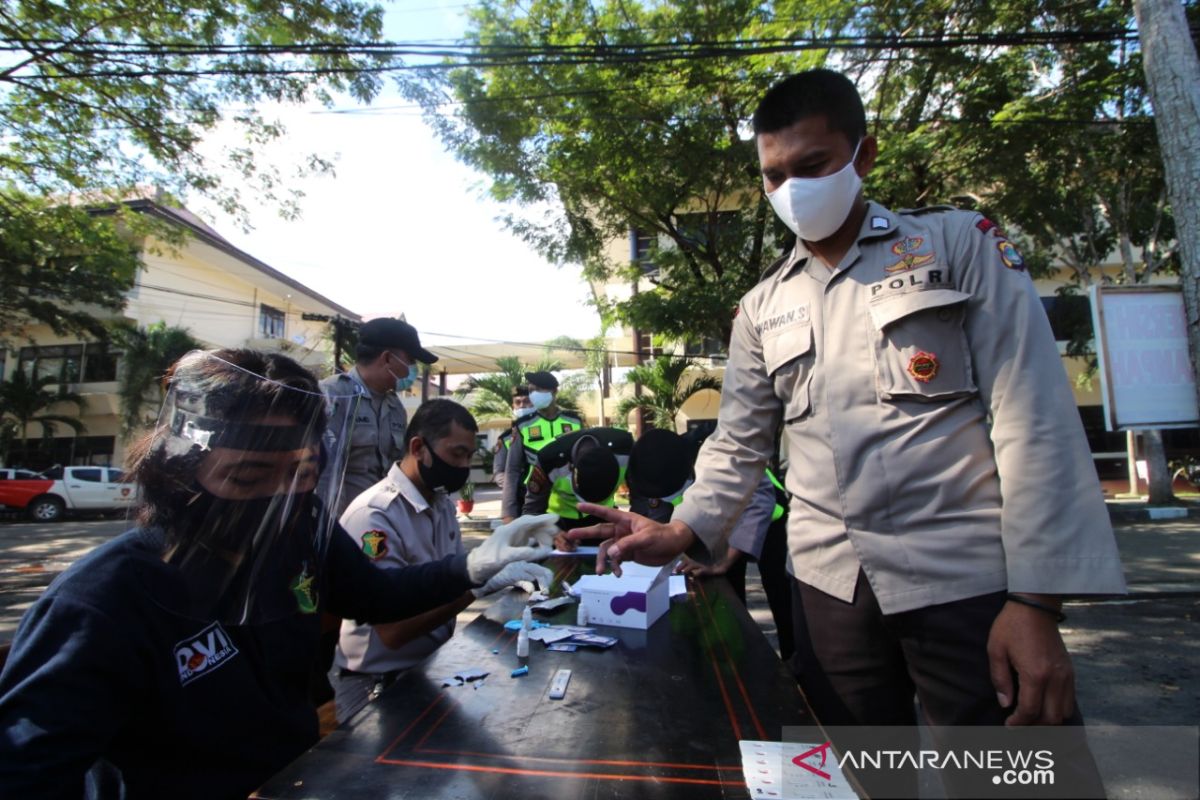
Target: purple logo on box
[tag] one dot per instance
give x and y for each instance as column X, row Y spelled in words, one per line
column 630, row 601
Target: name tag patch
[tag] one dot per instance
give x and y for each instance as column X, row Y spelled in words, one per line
column 787, row 319
column 918, row 280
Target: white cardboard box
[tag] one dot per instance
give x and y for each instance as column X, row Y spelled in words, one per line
column 634, row 600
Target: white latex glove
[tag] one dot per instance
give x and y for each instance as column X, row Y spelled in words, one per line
column 511, row 574
column 523, row 539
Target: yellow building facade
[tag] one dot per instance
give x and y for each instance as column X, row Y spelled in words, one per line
column 223, row 296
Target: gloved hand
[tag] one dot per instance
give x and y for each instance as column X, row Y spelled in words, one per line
column 523, row 539
column 513, row 573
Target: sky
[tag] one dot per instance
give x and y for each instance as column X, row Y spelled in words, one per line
column 404, row 227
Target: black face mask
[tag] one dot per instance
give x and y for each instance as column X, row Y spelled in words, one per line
column 224, row 523
column 442, row 475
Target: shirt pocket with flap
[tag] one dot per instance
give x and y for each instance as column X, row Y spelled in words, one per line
column 921, row 349
column 789, row 356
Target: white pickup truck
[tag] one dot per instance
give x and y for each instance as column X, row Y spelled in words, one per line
column 47, row 497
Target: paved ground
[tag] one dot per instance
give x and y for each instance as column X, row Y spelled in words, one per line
column 1137, row 658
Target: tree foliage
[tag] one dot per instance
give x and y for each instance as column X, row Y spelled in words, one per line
column 667, row 382
column 1050, row 136
column 490, row 394
column 147, row 354
column 658, row 146
column 100, row 99
column 26, row 401
column 59, row 266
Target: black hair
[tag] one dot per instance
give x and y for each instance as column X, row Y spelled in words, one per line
column 521, row 390
column 366, row 353
column 433, row 420
column 227, row 384
column 816, row 92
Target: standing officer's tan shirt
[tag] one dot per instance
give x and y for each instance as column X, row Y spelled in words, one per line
column 885, row 374
column 376, row 432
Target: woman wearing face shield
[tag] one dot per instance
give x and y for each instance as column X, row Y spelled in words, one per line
column 173, row 661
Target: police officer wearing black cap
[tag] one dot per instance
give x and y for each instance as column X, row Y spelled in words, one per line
column 537, row 431
column 385, row 363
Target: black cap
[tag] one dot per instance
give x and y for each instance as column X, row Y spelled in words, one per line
column 387, row 333
column 659, row 464
column 542, row 380
column 596, row 474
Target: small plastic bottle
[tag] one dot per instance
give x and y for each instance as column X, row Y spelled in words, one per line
column 581, row 617
column 523, row 635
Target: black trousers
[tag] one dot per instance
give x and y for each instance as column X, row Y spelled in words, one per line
column 860, row 667
column 776, row 582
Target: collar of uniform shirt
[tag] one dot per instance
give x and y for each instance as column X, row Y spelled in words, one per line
column 408, row 490
column 801, row 255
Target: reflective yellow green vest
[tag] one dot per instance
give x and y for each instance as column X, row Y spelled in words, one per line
column 779, row 510
column 539, row 431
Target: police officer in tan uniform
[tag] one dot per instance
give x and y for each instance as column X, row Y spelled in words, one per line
column 408, row 518
column 944, row 497
column 385, row 363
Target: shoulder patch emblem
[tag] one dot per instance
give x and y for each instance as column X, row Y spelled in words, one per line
column 534, row 434
column 879, row 223
column 302, row 588
column 923, row 366
column 374, row 545
column 567, row 427
column 986, row 226
column 1009, row 255
column 910, row 259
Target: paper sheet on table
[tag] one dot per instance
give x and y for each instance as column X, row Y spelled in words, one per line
column 771, row 771
column 678, row 585
column 578, row 551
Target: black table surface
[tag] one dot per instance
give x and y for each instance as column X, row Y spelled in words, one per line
column 659, row 714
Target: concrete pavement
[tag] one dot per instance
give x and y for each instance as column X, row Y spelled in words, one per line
column 1136, row 657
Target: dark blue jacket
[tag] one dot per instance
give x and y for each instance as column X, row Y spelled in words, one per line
column 108, row 664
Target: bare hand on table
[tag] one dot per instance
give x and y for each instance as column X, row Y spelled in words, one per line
column 632, row 537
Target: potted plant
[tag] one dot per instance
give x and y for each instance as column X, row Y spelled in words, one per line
column 466, row 498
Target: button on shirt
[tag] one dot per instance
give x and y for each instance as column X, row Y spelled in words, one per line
column 365, row 430
column 930, row 424
column 394, row 526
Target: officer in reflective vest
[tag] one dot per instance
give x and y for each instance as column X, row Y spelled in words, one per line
column 522, row 408
column 536, row 431
column 586, row 465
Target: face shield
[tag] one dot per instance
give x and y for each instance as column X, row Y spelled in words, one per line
column 233, row 472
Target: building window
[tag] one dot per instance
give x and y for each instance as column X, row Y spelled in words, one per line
column 694, row 228
column 646, row 346
column 708, row 348
column 62, row 362
column 1068, row 314
column 99, row 365
column 641, row 249
column 270, row 322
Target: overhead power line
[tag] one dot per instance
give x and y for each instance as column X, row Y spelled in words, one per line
column 480, row 56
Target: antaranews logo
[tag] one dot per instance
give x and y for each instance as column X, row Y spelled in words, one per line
column 1008, row 767
column 202, row 653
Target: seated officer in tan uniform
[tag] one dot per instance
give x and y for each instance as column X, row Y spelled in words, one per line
column 944, row 497
column 408, row 518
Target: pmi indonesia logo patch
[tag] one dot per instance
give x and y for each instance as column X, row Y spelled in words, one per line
column 199, row 655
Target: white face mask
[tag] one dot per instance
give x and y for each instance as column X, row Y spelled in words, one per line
column 814, row 208
column 541, row 399
column 523, row 413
